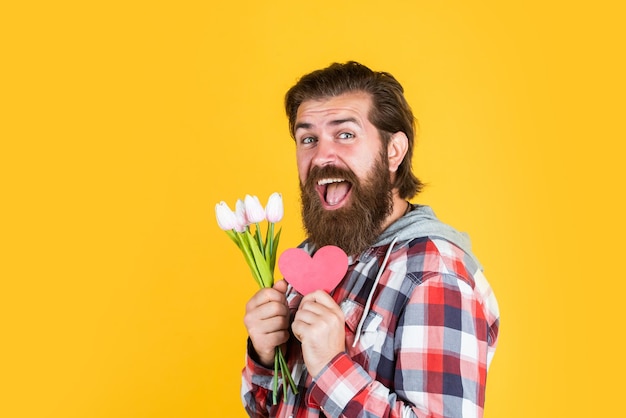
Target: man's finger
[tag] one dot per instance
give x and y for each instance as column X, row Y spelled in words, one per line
column 321, row 297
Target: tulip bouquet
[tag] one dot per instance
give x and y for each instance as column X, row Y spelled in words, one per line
column 259, row 253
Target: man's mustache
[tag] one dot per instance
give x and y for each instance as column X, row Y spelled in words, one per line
column 330, row 171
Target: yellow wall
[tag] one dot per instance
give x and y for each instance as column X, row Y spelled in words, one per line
column 123, row 123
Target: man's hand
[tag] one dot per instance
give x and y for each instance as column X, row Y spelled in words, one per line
column 267, row 321
column 319, row 324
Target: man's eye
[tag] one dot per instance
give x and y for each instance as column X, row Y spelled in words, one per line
column 307, row 140
column 346, row 135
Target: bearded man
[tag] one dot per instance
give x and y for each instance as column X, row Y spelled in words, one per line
column 412, row 327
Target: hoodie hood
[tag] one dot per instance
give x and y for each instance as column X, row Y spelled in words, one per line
column 421, row 222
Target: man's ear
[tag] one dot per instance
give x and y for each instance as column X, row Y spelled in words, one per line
column 396, row 150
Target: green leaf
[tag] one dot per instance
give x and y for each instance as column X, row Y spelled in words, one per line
column 264, row 271
column 258, row 239
column 275, row 249
column 247, row 254
column 232, row 235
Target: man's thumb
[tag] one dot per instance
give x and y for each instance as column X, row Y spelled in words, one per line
column 281, row 286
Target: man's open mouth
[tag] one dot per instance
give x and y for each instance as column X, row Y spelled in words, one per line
column 333, row 191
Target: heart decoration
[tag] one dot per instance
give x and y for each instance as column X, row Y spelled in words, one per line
column 323, row 271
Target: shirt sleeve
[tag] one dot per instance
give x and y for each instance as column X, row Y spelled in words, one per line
column 440, row 348
column 256, row 386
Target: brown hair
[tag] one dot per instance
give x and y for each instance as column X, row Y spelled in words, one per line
column 390, row 111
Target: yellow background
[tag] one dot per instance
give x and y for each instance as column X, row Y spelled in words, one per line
column 122, row 124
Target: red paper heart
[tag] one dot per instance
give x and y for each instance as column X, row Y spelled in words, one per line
column 324, row 271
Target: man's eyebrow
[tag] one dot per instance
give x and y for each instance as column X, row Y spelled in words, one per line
column 342, row 121
column 302, row 125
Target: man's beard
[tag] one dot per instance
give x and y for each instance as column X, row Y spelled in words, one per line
column 355, row 226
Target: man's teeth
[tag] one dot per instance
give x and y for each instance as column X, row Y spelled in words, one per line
column 328, row 181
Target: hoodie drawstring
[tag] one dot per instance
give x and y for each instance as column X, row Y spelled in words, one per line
column 368, row 303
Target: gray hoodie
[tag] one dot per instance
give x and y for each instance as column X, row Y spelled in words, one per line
column 421, row 222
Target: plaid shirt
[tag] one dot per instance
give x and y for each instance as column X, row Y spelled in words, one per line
column 423, row 351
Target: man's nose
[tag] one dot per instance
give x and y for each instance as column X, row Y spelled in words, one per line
column 325, row 152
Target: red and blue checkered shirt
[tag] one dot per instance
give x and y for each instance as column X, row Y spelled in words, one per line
column 424, row 348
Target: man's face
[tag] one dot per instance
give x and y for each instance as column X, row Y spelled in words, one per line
column 344, row 172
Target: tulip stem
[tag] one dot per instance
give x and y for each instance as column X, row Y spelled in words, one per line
column 277, row 364
column 269, row 246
